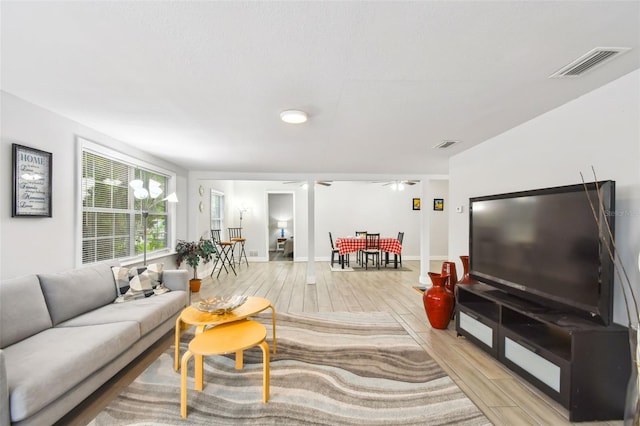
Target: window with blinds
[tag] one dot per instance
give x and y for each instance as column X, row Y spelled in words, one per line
column 217, row 211
column 112, row 224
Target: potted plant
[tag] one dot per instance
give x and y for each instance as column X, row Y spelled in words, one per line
column 193, row 252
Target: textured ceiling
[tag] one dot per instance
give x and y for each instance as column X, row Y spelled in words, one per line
column 202, row 83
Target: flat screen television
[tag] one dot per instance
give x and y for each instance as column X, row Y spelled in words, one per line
column 544, row 245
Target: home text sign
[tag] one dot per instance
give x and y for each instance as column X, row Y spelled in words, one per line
column 31, row 182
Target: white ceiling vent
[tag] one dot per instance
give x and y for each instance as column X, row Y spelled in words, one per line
column 446, row 144
column 589, row 61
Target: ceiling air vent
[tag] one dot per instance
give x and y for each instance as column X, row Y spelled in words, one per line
column 445, row 144
column 589, row 61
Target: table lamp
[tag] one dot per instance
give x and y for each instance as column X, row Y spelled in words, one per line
column 282, row 225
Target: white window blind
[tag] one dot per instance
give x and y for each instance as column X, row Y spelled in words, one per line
column 111, row 216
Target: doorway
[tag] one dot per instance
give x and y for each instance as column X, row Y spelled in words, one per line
column 280, row 226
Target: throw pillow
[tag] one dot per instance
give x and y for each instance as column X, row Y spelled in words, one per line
column 138, row 282
column 155, row 273
column 121, row 275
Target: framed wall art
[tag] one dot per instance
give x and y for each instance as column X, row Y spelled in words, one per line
column 416, row 203
column 438, row 204
column 31, row 189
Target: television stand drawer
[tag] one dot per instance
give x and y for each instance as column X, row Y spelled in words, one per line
column 526, row 358
column 479, row 329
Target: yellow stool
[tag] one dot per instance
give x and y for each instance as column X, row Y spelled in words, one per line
column 243, row 253
column 224, row 339
column 235, row 236
column 224, row 250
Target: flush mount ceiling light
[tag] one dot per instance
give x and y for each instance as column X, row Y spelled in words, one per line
column 293, row 116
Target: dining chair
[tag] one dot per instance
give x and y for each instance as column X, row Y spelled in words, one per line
column 360, row 234
column 372, row 248
column 235, row 236
column 397, row 258
column 341, row 258
column 223, row 257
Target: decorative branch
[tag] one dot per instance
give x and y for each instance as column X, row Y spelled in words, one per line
column 630, row 299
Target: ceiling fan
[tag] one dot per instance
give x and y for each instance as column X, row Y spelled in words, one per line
column 397, row 184
column 318, row 182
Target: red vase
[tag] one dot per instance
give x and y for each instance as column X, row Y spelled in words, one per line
column 449, row 268
column 466, row 279
column 438, row 302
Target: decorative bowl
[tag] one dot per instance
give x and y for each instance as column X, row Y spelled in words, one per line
column 220, row 304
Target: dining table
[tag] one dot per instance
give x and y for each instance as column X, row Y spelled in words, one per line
column 346, row 245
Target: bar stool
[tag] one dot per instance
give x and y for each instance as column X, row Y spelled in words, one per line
column 235, row 236
column 225, row 249
column 224, row 339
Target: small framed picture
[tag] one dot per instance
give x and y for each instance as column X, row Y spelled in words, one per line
column 438, row 204
column 31, row 182
column 416, row 203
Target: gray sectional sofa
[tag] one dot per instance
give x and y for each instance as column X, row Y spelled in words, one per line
column 62, row 337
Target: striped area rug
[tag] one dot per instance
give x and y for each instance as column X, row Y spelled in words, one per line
column 329, row 369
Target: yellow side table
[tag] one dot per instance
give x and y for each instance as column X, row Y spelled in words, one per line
column 223, row 339
column 192, row 316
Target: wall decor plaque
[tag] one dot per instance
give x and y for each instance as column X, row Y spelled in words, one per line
column 31, row 182
column 416, row 204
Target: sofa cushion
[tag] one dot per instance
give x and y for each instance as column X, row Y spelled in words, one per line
column 23, row 311
column 43, row 367
column 71, row 293
column 148, row 313
column 177, row 279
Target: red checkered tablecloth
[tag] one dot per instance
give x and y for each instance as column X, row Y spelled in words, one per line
column 351, row 245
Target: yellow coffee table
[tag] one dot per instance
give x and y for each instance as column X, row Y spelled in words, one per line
column 223, row 339
column 202, row 320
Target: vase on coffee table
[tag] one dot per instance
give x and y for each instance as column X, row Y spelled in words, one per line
column 438, row 301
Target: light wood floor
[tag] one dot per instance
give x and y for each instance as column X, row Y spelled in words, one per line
column 501, row 395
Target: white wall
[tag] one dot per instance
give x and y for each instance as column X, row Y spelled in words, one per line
column 42, row 245
column 203, row 218
column 439, row 225
column 600, row 129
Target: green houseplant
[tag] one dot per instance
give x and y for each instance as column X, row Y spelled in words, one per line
column 192, row 253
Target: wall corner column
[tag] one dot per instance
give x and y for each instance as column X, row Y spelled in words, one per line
column 311, row 226
column 425, row 237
